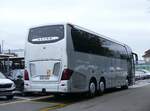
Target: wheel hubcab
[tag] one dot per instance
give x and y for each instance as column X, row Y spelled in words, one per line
column 92, row 88
column 102, row 86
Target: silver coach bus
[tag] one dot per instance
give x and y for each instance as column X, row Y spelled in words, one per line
column 65, row 58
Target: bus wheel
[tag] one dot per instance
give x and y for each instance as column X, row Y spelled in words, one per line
column 101, row 87
column 92, row 89
column 125, row 86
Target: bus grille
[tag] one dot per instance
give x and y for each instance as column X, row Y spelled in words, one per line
column 5, row 85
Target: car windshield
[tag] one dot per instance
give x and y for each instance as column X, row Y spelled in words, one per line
column 2, row 76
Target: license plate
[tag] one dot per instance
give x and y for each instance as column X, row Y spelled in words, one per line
column 44, row 77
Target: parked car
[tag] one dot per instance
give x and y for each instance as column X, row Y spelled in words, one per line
column 7, row 87
column 142, row 74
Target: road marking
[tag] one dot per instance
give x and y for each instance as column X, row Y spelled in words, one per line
column 27, row 100
column 61, row 105
column 24, row 98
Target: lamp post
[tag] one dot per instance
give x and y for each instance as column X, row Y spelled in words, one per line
column 2, row 46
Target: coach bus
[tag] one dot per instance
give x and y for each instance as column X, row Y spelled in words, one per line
column 65, row 58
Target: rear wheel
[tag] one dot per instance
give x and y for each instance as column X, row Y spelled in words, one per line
column 92, row 89
column 126, row 86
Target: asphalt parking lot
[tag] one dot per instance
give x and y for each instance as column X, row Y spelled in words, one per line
column 40, row 102
column 20, row 98
column 27, row 103
column 37, row 102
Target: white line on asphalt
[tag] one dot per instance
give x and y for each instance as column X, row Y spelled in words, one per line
column 27, row 100
column 24, row 98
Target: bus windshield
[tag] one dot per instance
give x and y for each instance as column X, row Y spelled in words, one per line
column 46, row 34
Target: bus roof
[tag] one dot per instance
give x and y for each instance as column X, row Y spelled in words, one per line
column 92, row 32
column 84, row 29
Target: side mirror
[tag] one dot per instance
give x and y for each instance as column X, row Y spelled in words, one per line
column 135, row 57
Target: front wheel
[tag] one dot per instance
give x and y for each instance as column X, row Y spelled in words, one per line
column 126, row 86
column 101, row 87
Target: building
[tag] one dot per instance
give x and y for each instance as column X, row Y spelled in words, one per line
column 10, row 62
column 146, row 56
column 15, row 52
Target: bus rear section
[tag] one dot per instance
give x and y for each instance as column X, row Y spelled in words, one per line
column 46, row 60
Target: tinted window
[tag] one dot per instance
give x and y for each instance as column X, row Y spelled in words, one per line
column 85, row 42
column 46, row 34
column 119, row 51
column 89, row 43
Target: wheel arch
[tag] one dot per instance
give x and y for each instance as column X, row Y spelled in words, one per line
column 94, row 80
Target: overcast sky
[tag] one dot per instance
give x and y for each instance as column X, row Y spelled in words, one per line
column 127, row 21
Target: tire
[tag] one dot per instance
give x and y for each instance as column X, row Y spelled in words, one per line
column 10, row 97
column 92, row 89
column 101, row 87
column 126, row 86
